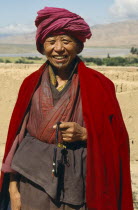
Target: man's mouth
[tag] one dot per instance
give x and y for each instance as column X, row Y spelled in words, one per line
column 60, row 57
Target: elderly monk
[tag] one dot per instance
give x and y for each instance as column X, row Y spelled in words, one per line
column 64, row 113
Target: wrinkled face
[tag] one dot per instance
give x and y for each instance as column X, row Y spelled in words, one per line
column 61, row 50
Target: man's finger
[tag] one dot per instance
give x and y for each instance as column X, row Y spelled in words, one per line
column 67, row 135
column 64, row 125
column 54, row 126
column 67, row 139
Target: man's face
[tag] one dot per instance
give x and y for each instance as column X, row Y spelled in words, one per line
column 60, row 50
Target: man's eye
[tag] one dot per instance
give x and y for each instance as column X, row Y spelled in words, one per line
column 66, row 41
column 52, row 42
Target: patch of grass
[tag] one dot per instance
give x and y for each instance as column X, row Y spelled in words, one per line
column 90, row 61
column 111, row 61
column 26, row 60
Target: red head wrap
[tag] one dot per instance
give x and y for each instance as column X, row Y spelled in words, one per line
column 56, row 21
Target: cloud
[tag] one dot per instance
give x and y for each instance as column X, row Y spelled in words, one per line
column 17, row 29
column 124, row 9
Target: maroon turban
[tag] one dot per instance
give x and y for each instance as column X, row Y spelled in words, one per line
column 55, row 21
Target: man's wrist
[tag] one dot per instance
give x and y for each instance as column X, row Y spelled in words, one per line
column 13, row 186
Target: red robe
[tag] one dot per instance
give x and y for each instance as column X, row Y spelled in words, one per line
column 108, row 181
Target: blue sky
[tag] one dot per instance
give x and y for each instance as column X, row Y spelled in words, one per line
column 22, row 12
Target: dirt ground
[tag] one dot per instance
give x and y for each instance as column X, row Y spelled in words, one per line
column 126, row 84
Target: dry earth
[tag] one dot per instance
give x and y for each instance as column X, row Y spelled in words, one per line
column 126, row 83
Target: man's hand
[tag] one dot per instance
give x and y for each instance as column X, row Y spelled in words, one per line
column 72, row 131
column 14, row 194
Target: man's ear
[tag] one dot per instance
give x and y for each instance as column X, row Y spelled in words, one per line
column 42, row 49
column 80, row 47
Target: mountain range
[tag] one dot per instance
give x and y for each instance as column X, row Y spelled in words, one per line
column 119, row 34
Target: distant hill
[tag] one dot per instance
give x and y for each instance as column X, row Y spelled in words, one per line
column 18, row 39
column 119, row 34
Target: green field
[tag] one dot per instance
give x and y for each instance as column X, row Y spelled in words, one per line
column 90, row 61
column 26, row 60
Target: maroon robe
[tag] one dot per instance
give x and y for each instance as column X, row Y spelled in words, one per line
column 108, row 182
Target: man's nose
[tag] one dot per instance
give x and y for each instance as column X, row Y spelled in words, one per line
column 58, row 46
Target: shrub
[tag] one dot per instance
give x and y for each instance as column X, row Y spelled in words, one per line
column 34, row 58
column 7, row 61
column 134, row 50
column 115, row 61
column 22, row 60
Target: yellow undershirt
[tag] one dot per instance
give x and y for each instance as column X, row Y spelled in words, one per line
column 53, row 79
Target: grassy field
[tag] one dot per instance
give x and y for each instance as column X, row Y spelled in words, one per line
column 28, row 55
column 26, row 60
column 90, row 61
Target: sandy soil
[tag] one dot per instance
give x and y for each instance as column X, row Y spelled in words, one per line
column 126, row 84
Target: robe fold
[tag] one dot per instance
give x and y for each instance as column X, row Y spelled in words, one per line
column 108, row 181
